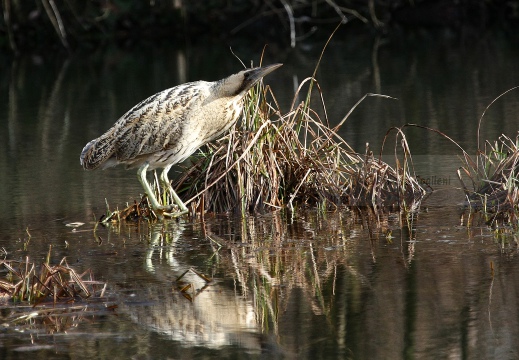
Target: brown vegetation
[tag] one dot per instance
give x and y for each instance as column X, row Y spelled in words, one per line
column 27, row 284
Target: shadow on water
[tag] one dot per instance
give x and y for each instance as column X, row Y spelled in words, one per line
column 318, row 285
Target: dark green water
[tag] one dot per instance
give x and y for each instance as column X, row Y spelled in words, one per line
column 309, row 287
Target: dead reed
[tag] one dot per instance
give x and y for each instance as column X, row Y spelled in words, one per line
column 26, row 283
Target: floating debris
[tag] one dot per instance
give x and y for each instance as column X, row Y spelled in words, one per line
column 184, row 286
column 137, row 211
column 75, row 224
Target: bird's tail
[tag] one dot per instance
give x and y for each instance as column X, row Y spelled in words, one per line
column 97, row 151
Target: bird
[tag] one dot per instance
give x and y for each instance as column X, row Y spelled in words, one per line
column 169, row 126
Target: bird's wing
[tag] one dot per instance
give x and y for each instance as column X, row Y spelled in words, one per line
column 157, row 123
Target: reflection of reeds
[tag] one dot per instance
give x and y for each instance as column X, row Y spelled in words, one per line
column 275, row 262
column 260, row 267
column 51, row 320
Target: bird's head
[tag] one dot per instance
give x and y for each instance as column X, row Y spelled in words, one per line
column 238, row 84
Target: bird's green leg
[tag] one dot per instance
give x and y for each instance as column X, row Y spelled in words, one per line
column 141, row 173
column 167, row 185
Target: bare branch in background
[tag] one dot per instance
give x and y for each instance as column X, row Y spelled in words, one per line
column 344, row 19
column 6, row 5
column 354, row 13
column 290, row 14
column 55, row 18
column 376, row 21
column 93, row 22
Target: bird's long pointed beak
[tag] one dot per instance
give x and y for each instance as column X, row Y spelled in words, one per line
column 252, row 76
column 257, row 73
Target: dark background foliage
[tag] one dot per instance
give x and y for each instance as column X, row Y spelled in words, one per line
column 27, row 26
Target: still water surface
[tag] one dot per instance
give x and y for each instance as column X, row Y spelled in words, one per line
column 311, row 286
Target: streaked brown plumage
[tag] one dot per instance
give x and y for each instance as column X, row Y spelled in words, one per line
column 169, row 126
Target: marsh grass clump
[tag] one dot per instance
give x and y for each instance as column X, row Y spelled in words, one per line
column 271, row 161
column 493, row 176
column 26, row 283
column 495, row 179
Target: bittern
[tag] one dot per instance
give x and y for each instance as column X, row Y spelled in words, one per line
column 168, row 127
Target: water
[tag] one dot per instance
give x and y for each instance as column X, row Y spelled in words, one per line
column 312, row 286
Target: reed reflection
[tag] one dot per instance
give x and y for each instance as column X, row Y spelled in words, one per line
column 315, row 284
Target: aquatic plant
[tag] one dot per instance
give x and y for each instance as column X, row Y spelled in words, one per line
column 494, row 176
column 495, row 180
